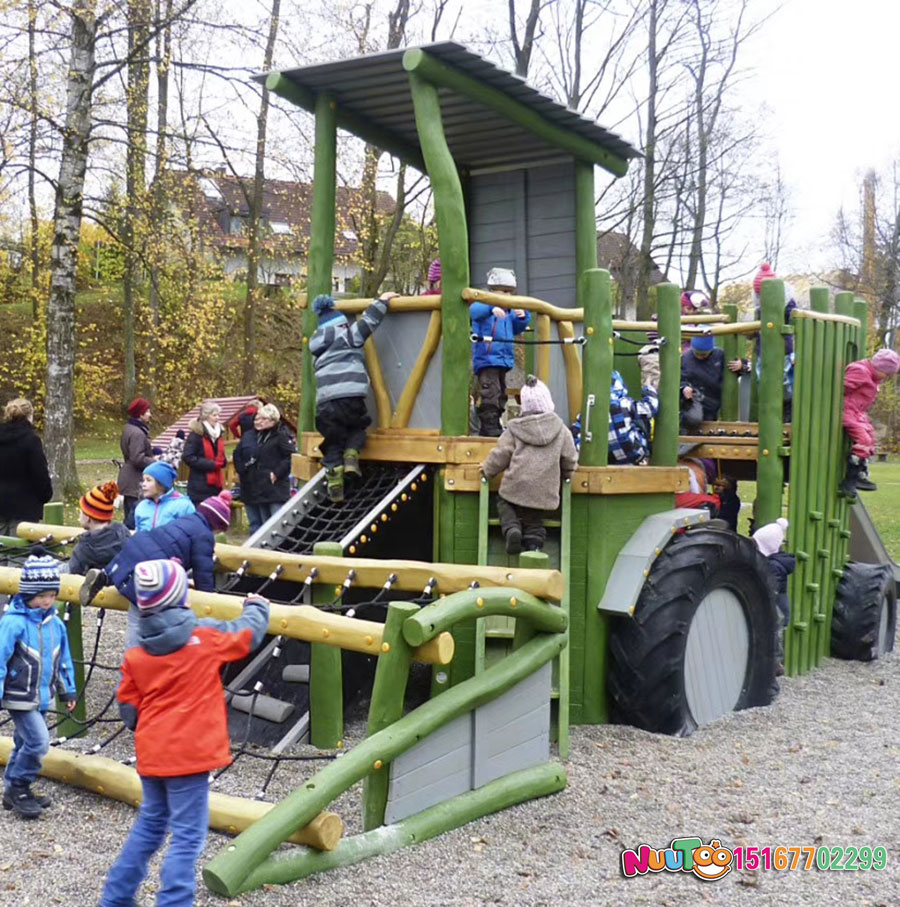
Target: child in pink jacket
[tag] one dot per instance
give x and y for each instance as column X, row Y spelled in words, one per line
column 861, row 381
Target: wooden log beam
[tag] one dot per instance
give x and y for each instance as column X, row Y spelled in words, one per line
column 379, row 386
column 397, row 305
column 227, row 813
column 590, row 479
column 443, row 74
column 826, row 316
column 296, row 621
column 565, row 330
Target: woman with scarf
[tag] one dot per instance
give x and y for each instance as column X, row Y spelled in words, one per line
column 204, row 453
column 137, row 453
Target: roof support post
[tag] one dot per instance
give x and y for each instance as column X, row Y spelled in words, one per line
column 321, row 245
column 437, row 72
column 453, row 243
column 770, row 469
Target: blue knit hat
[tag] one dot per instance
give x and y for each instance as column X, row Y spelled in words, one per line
column 160, row 585
column 40, row 573
column 163, row 472
column 703, row 344
column 323, row 306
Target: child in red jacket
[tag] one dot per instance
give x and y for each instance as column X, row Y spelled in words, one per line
column 861, row 382
column 171, row 696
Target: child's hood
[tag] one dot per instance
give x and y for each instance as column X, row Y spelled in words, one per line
column 167, row 631
column 537, row 429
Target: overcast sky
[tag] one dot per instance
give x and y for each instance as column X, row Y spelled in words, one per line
column 828, row 72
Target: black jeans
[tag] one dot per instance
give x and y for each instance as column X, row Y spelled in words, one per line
column 342, row 424
column 492, row 388
column 529, row 520
column 129, row 505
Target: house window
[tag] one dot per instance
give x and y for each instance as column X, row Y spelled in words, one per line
column 349, row 234
column 237, row 226
column 210, row 189
column 280, row 228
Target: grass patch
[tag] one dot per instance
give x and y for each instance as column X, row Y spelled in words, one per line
column 884, row 505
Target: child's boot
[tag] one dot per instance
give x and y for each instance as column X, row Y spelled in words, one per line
column 513, row 540
column 94, row 580
column 863, row 482
column 490, row 421
column 41, row 799
column 351, row 463
column 335, row 480
column 16, row 797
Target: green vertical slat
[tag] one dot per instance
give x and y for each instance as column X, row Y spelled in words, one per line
column 326, row 684
column 729, row 411
column 665, row 438
column 770, row 469
column 484, row 499
column 861, row 311
column 565, row 566
column 386, row 706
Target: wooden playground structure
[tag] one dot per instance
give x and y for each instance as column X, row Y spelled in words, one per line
column 637, row 611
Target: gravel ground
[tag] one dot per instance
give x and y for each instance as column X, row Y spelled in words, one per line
column 818, row 766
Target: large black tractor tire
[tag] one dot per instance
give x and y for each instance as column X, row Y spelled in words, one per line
column 718, row 583
column 865, row 612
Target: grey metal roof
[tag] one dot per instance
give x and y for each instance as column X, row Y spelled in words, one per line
column 376, row 87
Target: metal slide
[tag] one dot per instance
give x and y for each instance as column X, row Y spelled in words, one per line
column 866, row 545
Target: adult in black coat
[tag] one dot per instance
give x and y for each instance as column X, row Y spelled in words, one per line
column 263, row 462
column 204, row 454
column 703, row 369
column 25, row 484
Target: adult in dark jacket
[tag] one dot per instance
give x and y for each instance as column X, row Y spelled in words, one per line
column 204, row 454
column 25, row 484
column 263, row 462
column 703, row 368
column 190, row 539
column 137, row 452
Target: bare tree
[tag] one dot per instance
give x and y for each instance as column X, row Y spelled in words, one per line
column 523, row 48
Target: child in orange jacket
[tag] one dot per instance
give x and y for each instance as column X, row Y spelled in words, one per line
column 171, row 696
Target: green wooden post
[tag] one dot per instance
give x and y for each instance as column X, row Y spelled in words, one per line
column 585, row 229
column 730, row 388
column 453, row 243
column 770, row 470
column 530, row 560
column 565, row 566
column 386, row 706
column 596, row 365
column 861, row 311
column 53, row 513
column 665, row 439
column 321, row 244
column 326, row 684
column 484, row 501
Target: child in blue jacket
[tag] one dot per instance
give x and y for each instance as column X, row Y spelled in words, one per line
column 161, row 503
column 492, row 353
column 34, row 661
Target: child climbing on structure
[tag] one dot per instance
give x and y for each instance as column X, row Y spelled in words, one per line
column 536, row 450
column 492, row 352
column 342, row 384
column 861, row 382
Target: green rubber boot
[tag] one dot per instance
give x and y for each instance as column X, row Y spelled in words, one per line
column 335, row 479
column 351, row 463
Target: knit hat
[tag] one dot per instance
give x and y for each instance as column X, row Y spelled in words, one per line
column 163, row 472
column 886, row 361
column 100, row 502
column 217, row 511
column 769, row 538
column 694, row 299
column 434, row 271
column 40, row 573
column 160, row 585
column 765, row 272
column 536, row 397
column 138, row 407
column 703, row 343
column 502, row 277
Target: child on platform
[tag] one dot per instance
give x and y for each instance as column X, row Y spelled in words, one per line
column 171, row 696
column 861, row 382
column 161, row 503
column 34, row 661
column 536, row 450
column 342, row 384
column 104, row 537
column 492, row 354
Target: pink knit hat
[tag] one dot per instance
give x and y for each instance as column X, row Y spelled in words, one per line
column 536, row 397
column 764, row 273
column 769, row 538
column 886, row 361
column 434, row 271
column 217, row 511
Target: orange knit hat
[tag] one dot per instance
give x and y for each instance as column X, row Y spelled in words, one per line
column 100, row 502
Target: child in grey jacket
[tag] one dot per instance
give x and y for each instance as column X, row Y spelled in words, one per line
column 536, row 450
column 342, row 384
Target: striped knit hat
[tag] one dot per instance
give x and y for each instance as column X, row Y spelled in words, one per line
column 217, row 511
column 40, row 573
column 160, row 585
column 100, row 502
column 434, row 271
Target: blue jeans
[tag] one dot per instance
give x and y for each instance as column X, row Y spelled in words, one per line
column 31, row 740
column 179, row 804
column 257, row 514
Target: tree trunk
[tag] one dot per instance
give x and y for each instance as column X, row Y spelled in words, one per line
column 135, row 174
column 34, row 240
column 642, row 304
column 256, row 200
column 59, row 400
column 522, row 51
